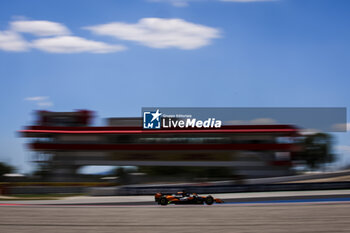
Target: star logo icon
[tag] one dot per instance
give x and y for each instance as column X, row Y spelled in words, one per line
column 156, row 115
column 152, row 119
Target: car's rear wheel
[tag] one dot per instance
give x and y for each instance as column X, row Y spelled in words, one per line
column 209, row 200
column 163, row 201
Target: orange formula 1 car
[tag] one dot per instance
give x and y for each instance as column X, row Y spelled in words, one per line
column 185, row 198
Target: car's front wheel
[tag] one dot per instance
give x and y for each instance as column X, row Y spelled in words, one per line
column 209, row 200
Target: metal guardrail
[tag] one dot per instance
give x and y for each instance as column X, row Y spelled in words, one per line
column 150, row 190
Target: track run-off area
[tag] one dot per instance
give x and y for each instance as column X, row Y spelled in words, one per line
column 273, row 212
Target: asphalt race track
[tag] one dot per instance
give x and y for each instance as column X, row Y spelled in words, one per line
column 291, row 213
column 255, row 200
column 325, row 217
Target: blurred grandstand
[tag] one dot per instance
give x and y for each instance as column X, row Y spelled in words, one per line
column 63, row 142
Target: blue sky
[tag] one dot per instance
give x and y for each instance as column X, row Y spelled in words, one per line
column 115, row 57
